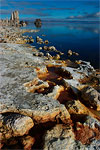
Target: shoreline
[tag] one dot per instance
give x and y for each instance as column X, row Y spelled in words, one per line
column 44, row 98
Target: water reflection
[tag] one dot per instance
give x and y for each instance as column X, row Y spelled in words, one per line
column 82, row 37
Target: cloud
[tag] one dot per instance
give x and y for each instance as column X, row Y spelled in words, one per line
column 27, row 11
column 33, row 11
column 24, row 3
column 92, row 3
column 87, row 16
column 5, row 12
column 55, row 8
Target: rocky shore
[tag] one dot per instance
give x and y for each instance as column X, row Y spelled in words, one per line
column 45, row 103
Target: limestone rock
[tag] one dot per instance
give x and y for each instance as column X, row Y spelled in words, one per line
column 23, row 23
column 27, row 142
column 40, row 48
column 79, row 74
column 51, row 48
column 59, row 137
column 91, row 97
column 13, row 124
column 46, row 42
column 36, row 85
column 76, row 108
column 38, row 23
column 49, row 56
column 30, row 40
column 70, row 53
column 39, row 40
column 45, row 47
column 14, row 97
column 57, row 57
column 62, row 137
column 88, row 131
column 15, row 17
column 40, row 108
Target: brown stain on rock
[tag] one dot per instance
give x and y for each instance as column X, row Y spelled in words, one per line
column 85, row 134
column 66, row 95
column 52, row 76
column 58, row 70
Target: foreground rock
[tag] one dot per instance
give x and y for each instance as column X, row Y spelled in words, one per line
column 91, row 97
column 12, row 125
column 59, row 137
column 63, row 138
column 28, row 142
column 14, row 35
column 88, row 130
column 41, row 102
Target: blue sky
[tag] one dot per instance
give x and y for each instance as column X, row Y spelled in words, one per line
column 53, row 9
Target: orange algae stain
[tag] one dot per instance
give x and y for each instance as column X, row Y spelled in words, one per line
column 47, row 76
column 66, row 95
column 53, row 75
column 61, row 89
column 59, row 71
column 85, row 134
column 31, row 83
column 95, row 113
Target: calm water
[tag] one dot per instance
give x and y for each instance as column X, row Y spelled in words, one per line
column 79, row 37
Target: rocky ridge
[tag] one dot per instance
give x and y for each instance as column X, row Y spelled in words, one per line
column 46, row 103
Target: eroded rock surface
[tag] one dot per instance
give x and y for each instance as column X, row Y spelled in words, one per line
column 12, row 125
column 59, row 137
column 91, row 97
column 88, row 131
column 41, row 106
column 63, row 138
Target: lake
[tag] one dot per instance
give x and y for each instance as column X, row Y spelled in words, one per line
column 81, row 37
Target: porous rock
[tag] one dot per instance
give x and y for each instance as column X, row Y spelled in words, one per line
column 88, row 131
column 59, row 137
column 62, row 137
column 36, row 85
column 91, row 97
column 27, row 142
column 80, row 73
column 13, row 124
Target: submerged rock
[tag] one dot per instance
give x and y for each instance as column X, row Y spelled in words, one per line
column 40, row 48
column 46, row 42
column 51, row 48
column 70, row 53
column 39, row 40
column 23, row 23
column 45, row 47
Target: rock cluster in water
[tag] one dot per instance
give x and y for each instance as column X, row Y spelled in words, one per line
column 46, row 103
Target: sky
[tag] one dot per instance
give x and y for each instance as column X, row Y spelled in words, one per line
column 82, row 10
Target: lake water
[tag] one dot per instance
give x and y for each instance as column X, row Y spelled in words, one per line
column 81, row 37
